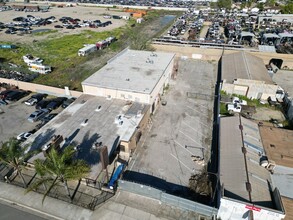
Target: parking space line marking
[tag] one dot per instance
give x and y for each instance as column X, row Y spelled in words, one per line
column 183, row 147
column 190, row 138
column 193, row 109
column 196, row 119
column 193, row 129
column 181, row 162
column 189, row 126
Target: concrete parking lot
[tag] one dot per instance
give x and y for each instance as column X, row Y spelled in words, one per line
column 180, row 133
column 284, row 79
column 14, row 119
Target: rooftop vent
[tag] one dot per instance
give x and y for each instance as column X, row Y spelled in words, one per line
column 127, row 79
column 84, row 123
column 149, row 61
column 98, row 108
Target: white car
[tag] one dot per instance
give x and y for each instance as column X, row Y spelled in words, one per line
column 23, row 136
column 31, row 101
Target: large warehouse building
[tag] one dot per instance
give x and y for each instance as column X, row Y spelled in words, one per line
column 139, row 76
column 246, row 191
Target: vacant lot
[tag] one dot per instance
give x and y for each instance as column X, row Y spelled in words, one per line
column 284, row 78
column 180, row 131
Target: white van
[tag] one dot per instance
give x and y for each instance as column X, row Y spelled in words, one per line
column 87, row 50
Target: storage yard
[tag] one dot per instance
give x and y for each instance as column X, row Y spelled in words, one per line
column 78, row 12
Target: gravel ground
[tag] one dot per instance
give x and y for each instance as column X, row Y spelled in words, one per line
column 81, row 12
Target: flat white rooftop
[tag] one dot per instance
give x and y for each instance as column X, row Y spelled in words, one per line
column 132, row 70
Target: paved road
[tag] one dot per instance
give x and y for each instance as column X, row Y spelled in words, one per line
column 10, row 213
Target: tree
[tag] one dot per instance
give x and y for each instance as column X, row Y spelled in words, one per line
column 59, row 168
column 287, row 9
column 12, row 154
column 225, row 4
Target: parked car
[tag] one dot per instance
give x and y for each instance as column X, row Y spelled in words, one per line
column 55, row 103
column 68, row 102
column 48, row 117
column 35, row 116
column 43, row 103
column 4, row 93
column 16, row 95
column 35, row 99
column 23, row 136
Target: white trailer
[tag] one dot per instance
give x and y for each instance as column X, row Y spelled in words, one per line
column 39, row 68
column 87, row 50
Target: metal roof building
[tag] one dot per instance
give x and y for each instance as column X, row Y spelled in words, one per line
column 246, row 187
column 242, row 65
column 132, row 75
column 245, row 74
column 278, row 145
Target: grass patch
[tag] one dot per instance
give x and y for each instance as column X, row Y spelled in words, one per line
column 61, row 52
column 223, row 109
column 44, row 32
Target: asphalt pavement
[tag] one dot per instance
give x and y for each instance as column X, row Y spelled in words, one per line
column 11, row 213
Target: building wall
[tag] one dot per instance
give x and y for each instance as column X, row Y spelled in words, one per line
column 130, row 146
column 258, row 89
column 117, row 94
column 158, row 90
column 234, row 89
column 236, row 210
column 253, row 89
column 41, row 88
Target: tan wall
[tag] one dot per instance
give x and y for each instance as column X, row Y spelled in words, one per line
column 215, row 54
column 253, row 89
column 40, row 88
column 162, row 82
column 124, row 95
column 131, row 145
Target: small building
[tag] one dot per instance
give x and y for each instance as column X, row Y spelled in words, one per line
column 246, row 190
column 138, row 76
column 245, row 74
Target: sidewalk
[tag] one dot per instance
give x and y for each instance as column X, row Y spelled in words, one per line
column 123, row 205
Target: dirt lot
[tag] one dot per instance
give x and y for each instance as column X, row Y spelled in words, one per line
column 80, row 12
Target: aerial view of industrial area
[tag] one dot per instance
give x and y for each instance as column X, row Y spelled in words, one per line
column 146, row 109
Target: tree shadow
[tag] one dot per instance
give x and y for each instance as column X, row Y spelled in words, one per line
column 68, row 141
column 86, row 152
column 42, row 138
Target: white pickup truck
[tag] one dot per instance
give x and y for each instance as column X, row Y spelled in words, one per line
column 234, row 108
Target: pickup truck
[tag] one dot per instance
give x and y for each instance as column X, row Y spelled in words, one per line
column 234, row 108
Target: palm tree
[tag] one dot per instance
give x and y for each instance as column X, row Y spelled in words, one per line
column 59, row 168
column 12, row 154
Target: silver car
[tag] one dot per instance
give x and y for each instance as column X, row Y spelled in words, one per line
column 35, row 116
